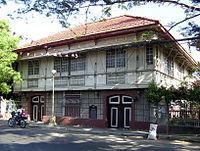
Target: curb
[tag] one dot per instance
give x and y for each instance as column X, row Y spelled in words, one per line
column 93, row 130
column 131, row 134
column 124, row 133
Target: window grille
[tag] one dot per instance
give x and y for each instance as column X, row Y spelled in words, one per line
column 33, row 67
column 179, row 71
column 110, row 59
column 77, row 80
column 120, row 58
column 32, row 83
column 168, row 66
column 61, row 64
column 72, row 106
column 149, row 54
column 61, row 81
column 116, row 78
column 142, row 113
column 116, row 58
column 78, row 64
column 72, row 110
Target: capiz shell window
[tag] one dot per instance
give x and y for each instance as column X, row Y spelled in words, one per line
column 77, row 80
column 149, row 54
column 33, row 67
column 115, row 78
column 61, row 64
column 116, row 58
column 78, row 64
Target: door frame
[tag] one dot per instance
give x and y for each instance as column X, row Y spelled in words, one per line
column 122, row 104
column 130, row 111
column 111, row 116
column 37, row 107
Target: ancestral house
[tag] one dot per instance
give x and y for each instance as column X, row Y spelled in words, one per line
column 102, row 70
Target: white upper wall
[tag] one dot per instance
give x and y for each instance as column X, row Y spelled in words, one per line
column 135, row 74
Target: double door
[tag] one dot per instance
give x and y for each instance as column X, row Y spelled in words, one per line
column 120, row 111
column 38, row 109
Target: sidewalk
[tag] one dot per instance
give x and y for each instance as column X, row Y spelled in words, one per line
column 119, row 132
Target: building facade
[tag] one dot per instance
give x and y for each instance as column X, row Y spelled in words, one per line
column 102, row 71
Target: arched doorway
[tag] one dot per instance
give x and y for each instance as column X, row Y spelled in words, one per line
column 38, row 108
column 119, row 111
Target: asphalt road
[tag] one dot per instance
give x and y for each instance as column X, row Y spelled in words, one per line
column 48, row 139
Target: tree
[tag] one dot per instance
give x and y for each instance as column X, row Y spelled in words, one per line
column 198, row 72
column 194, row 94
column 8, row 42
column 189, row 93
column 62, row 9
column 153, row 93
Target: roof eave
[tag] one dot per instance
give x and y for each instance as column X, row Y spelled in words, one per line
column 85, row 38
column 180, row 48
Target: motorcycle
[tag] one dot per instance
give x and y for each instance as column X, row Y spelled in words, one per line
column 17, row 120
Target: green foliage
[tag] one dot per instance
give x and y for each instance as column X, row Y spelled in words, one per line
column 192, row 29
column 63, row 9
column 197, row 72
column 191, row 93
column 148, row 34
column 107, row 11
column 153, row 93
column 77, row 37
column 194, row 94
column 8, row 75
column 151, row 34
column 168, row 94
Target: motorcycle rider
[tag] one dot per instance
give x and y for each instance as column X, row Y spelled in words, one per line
column 18, row 118
column 20, row 112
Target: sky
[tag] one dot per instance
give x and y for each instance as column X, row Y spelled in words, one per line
column 37, row 26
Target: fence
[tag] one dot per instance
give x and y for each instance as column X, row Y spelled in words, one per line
column 184, row 122
column 189, row 118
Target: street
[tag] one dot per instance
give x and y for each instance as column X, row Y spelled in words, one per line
column 50, row 139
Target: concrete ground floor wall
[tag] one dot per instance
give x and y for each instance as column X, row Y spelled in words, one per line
column 100, row 108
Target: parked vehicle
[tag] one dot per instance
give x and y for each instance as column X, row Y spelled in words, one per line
column 17, row 120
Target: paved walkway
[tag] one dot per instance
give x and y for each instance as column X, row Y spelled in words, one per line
column 106, row 131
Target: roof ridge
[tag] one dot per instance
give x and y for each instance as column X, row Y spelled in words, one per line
column 125, row 15
column 146, row 18
column 71, row 29
column 111, row 19
column 100, row 20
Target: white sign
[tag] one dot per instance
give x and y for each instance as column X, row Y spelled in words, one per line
column 153, row 131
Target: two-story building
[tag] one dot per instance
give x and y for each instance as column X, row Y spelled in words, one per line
column 102, row 69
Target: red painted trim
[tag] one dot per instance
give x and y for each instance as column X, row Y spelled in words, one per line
column 140, row 125
column 29, row 101
column 80, row 121
column 109, row 34
column 179, row 47
column 113, row 93
column 100, row 123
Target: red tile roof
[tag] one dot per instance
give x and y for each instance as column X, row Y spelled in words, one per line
column 109, row 27
column 120, row 23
